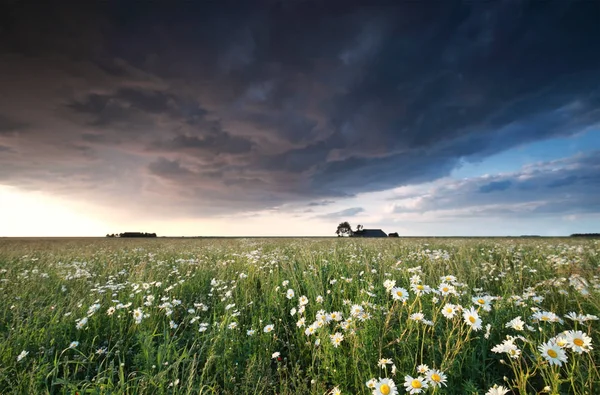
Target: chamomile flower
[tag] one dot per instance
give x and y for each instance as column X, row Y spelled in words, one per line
column 74, row 344
column 553, row 353
column 415, row 385
column 336, row 339
column 268, row 328
column 416, row 317
column 578, row 341
column 371, row 384
column 384, row 361
column 400, row 294
column 303, row 300
column 497, row 390
column 516, row 323
column 436, row 378
column 356, row 310
column 336, row 391
column 472, row 319
column 446, row 289
column 449, row 310
column 385, row 387
column 483, row 301
column 422, row 369
column 290, row 294
column 138, row 315
column 509, row 347
column 336, row 316
column 22, row 355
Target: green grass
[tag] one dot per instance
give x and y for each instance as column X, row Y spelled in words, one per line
column 234, row 285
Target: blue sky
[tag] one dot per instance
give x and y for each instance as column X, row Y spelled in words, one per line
column 286, row 118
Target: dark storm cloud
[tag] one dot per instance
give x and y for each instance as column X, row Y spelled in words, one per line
column 254, row 104
column 561, row 187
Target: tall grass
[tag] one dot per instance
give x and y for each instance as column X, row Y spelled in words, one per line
column 199, row 299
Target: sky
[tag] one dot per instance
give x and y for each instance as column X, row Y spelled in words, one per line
column 287, row 117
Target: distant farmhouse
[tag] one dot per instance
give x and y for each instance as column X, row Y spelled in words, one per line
column 369, row 233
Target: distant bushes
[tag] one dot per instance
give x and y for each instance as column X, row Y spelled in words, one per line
column 590, row 235
column 131, row 234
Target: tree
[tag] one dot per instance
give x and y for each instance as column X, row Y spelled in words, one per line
column 359, row 228
column 344, row 229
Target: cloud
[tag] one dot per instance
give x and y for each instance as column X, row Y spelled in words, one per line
column 349, row 212
column 495, row 186
column 561, row 187
column 254, row 106
column 321, row 203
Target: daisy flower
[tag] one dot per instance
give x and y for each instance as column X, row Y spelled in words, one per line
column 384, row 361
column 436, row 378
column 336, row 339
column 250, row 332
column 371, row 384
column 276, row 354
column 472, row 319
column 303, row 301
column 449, row 310
column 356, row 310
column 385, row 387
column 446, row 289
column 415, row 385
column 483, row 302
column 553, row 353
column 268, row 328
column 516, row 323
column 416, row 317
column 336, row 316
column 422, row 369
column 22, row 355
column 138, row 315
column 497, row 390
column 400, row 294
column 336, row 391
column 389, row 284
column 578, row 341
column 289, row 294
column 73, row 344
column 508, row 346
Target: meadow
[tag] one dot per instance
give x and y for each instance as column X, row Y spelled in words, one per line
column 299, row 316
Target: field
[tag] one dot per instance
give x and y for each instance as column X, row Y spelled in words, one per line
column 299, row 316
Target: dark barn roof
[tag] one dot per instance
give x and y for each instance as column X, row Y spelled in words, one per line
column 369, row 233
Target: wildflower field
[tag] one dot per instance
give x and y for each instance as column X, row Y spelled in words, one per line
column 299, row 316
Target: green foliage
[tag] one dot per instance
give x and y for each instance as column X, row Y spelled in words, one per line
column 199, row 298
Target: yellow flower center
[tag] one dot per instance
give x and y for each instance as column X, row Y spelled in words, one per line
column 480, row 301
column 552, row 353
column 472, row 319
column 420, row 287
column 436, row 377
column 385, row 389
column 578, row 342
column 399, row 293
column 416, row 383
column 545, row 318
